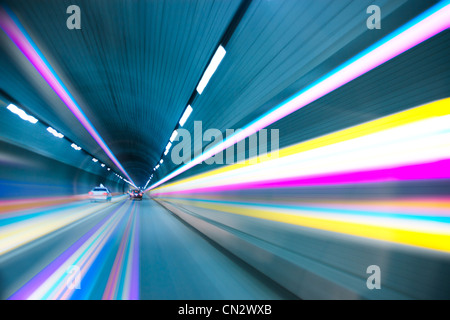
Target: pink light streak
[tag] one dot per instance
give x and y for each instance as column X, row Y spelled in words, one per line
column 433, row 170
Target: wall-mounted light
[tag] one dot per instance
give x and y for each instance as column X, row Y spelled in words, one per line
column 22, row 114
column 73, row 145
column 55, row 133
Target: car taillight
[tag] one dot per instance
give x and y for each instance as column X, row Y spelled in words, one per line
column 105, row 194
column 90, row 193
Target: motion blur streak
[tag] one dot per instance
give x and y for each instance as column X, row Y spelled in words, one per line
column 415, row 32
column 417, row 230
column 124, row 278
column 53, row 282
column 11, row 26
column 108, row 257
column 388, row 143
column 13, row 205
column 26, row 227
column 412, row 145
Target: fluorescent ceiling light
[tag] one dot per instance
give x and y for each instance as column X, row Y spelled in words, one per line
column 186, row 115
column 55, row 133
column 95, row 160
column 173, row 136
column 157, row 166
column 423, row 27
column 22, row 114
column 215, row 61
column 73, row 145
column 166, row 152
column 161, row 161
column 108, row 169
column 102, row 165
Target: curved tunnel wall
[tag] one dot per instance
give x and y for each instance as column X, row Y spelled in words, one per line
column 35, row 164
column 26, row 175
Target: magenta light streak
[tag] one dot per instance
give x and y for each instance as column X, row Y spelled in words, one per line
column 416, row 34
column 15, row 34
column 432, row 170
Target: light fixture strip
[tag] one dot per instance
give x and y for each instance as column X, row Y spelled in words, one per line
column 186, row 115
column 212, row 67
column 22, row 114
column 173, row 136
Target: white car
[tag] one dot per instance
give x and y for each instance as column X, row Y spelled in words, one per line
column 100, row 194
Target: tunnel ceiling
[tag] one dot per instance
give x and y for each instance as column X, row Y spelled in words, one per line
column 134, row 65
